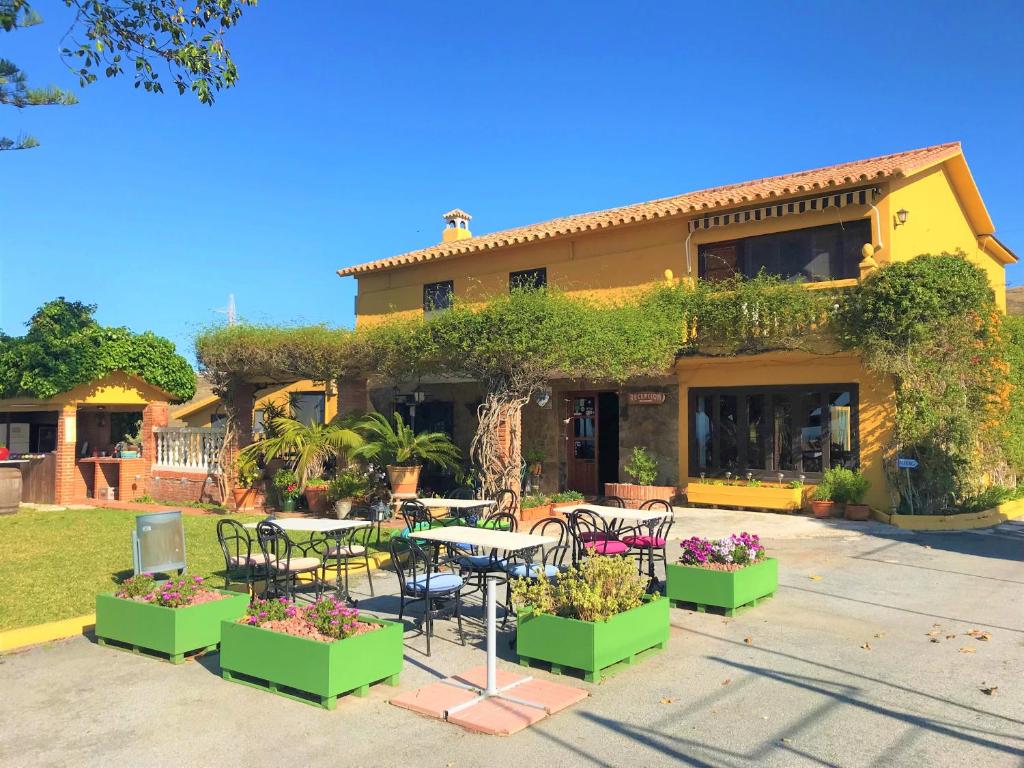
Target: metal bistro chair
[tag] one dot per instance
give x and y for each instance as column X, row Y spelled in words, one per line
column 473, row 564
column 283, row 569
column 343, row 553
column 592, row 536
column 461, row 493
column 506, row 500
column 419, row 582
column 416, row 516
column 643, row 542
column 240, row 564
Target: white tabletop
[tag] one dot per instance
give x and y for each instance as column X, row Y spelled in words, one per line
column 615, row 513
column 457, row 503
column 485, row 538
column 314, row 524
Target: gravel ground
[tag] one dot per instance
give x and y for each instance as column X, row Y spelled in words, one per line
column 839, row 669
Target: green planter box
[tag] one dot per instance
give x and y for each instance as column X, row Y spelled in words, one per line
column 144, row 627
column 308, row 670
column 724, row 589
column 591, row 646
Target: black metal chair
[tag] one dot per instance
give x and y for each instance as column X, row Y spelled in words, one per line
column 591, row 535
column 506, row 500
column 461, row 493
column 473, row 564
column 650, row 541
column 524, row 564
column 240, row 564
column 416, row 516
column 343, row 552
column 282, row 567
column 611, row 501
column 418, row 581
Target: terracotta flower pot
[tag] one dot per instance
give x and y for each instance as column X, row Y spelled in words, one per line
column 536, row 469
column 404, row 480
column 858, row 512
column 316, row 500
column 244, row 498
column 823, row 508
column 634, row 495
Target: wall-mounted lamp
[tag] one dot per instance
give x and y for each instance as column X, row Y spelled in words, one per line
column 901, row 218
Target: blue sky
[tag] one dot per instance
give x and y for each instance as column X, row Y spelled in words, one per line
column 355, row 126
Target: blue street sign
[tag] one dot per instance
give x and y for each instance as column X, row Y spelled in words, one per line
column 906, row 463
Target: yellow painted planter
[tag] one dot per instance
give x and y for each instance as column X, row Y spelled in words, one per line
column 984, row 519
column 745, row 497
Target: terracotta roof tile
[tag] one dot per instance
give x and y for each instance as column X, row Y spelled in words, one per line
column 774, row 187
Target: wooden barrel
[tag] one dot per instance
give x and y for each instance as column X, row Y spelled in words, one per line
column 10, row 490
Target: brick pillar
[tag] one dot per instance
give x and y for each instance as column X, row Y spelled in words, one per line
column 353, row 396
column 66, row 471
column 510, row 442
column 240, row 403
column 155, row 414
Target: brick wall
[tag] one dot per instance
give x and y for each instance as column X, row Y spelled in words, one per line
column 68, row 479
column 183, row 486
column 353, row 396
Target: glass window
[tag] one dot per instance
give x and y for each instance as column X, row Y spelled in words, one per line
column 528, row 278
column 307, row 407
column 831, row 252
column 438, row 295
column 794, row 430
column 218, row 419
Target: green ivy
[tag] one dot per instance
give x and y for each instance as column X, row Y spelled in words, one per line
column 65, row 346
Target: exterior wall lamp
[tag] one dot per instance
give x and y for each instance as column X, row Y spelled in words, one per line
column 900, row 218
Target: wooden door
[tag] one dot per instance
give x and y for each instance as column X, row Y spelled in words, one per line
column 581, row 442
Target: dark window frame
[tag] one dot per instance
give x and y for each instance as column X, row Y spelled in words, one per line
column 430, row 293
column 794, row 394
column 293, row 396
column 528, row 278
column 743, row 245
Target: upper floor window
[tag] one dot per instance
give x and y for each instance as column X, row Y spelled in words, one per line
column 528, row 278
column 819, row 253
column 438, row 295
column 307, row 407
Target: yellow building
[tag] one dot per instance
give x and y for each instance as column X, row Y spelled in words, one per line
column 304, row 400
column 777, row 416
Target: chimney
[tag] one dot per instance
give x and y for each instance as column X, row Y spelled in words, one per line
column 456, row 226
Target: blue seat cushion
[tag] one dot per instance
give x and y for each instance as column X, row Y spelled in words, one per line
column 439, row 582
column 518, row 571
column 475, row 561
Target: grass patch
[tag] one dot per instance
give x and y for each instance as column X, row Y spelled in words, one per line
column 54, row 563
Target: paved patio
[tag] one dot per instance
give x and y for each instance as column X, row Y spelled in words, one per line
column 851, row 664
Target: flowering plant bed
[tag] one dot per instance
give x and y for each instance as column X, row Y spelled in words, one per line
column 310, row 654
column 728, row 573
column 593, row 617
column 173, row 619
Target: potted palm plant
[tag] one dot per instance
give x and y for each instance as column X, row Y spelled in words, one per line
column 307, row 448
column 247, row 477
column 403, row 451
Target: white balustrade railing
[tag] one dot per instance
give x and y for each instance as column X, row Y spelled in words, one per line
column 188, row 449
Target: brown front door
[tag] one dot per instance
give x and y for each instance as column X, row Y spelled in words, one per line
column 581, row 442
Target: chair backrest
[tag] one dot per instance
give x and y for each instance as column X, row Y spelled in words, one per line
column 501, row 521
column 553, row 554
column 409, row 560
column 461, row 493
column 611, row 501
column 234, row 543
column 415, row 514
column 582, row 521
column 660, row 505
column 277, row 552
column 507, row 500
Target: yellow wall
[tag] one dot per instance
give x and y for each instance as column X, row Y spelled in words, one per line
column 937, row 222
column 597, row 264
column 876, row 404
column 202, row 417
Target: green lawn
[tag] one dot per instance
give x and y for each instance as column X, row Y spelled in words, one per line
column 54, row 563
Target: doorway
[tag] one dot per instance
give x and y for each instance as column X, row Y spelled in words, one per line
column 592, row 441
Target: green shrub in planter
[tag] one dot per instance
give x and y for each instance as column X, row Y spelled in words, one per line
column 589, row 618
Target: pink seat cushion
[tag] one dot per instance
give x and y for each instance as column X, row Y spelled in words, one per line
column 607, row 547
column 644, row 542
